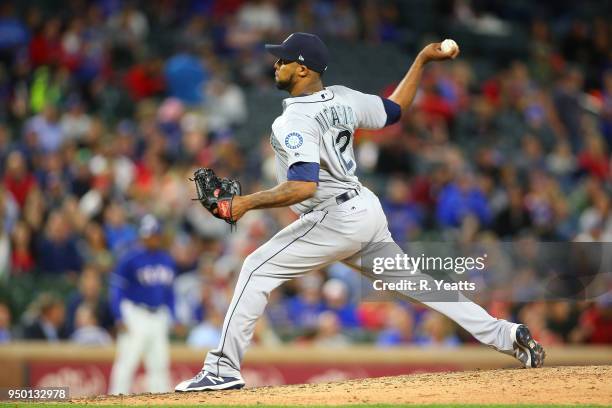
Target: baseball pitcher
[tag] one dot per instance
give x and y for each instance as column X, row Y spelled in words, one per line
column 315, row 162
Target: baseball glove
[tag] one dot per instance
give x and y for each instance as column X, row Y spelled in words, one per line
column 216, row 194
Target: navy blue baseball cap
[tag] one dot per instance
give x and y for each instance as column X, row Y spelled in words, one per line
column 149, row 226
column 303, row 48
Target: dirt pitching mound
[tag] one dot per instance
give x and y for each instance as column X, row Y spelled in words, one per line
column 550, row 385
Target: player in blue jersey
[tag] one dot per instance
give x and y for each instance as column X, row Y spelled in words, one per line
column 142, row 301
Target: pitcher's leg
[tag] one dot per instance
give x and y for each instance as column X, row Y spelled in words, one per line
column 303, row 246
column 248, row 304
column 485, row 328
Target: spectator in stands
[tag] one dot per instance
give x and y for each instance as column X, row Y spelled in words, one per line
column 373, row 315
column 577, row 46
column 562, row 318
column 530, row 157
column 94, row 249
column 303, row 18
column 567, row 99
column 57, row 251
column 341, row 20
column 22, row 257
column 129, row 27
column 5, row 252
column 14, row 33
column 398, row 328
column 35, row 211
column 256, row 20
column 336, row 299
column 225, row 105
column 207, row 333
column 75, row 122
column 45, row 47
column 91, row 295
column 185, row 78
column 594, row 159
column 404, row 216
column 194, row 292
column 5, row 324
column 561, row 162
column 606, row 109
column 48, row 87
column 595, row 325
column 329, row 331
column 394, row 157
column 540, row 203
column 47, row 128
column 88, row 332
column 48, row 319
column 120, row 234
column 305, row 307
column 17, row 178
column 380, row 22
column 151, row 173
column 9, row 210
column 5, row 133
column 437, row 331
column 514, row 218
column 595, row 222
column 145, row 80
column 169, row 117
column 460, row 199
column 122, row 154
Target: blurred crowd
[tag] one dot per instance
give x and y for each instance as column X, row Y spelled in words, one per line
column 107, row 107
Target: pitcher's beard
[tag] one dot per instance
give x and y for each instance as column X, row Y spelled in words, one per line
column 283, row 85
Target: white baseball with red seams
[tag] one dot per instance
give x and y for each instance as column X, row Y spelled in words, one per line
column 448, row 46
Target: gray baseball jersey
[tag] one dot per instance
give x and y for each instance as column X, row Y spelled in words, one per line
column 319, row 128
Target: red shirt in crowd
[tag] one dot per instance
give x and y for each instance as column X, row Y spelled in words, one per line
column 596, row 166
column 44, row 51
column 20, row 188
column 142, row 84
column 22, row 261
column 599, row 323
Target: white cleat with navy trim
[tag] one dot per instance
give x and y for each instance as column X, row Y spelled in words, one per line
column 205, row 381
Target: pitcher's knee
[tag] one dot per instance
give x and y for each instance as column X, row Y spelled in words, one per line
column 252, row 263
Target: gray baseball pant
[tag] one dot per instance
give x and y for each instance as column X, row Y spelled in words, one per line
column 329, row 234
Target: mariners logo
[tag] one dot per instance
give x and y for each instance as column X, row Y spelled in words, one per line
column 293, row 140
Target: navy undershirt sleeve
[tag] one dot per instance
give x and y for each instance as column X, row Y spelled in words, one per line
column 303, row 171
column 393, row 110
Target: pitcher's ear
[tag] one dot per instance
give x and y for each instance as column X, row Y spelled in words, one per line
column 302, row 71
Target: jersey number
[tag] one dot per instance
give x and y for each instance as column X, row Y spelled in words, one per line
column 342, row 141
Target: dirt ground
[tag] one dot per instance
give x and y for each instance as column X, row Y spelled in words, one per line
column 550, row 385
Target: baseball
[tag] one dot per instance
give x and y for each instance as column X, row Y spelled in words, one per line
column 448, row 46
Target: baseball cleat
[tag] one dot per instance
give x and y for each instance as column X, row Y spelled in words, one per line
column 526, row 350
column 205, row 381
